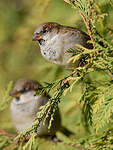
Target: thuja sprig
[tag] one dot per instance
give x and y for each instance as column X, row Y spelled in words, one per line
column 4, row 96
column 99, row 59
column 84, row 8
column 50, row 106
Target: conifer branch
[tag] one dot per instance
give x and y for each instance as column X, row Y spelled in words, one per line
column 97, row 97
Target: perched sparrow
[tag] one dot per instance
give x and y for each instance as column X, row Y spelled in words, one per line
column 54, row 39
column 25, row 106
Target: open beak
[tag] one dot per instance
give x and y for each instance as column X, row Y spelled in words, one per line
column 36, row 37
column 15, row 93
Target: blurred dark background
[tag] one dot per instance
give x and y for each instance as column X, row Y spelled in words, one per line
column 20, row 56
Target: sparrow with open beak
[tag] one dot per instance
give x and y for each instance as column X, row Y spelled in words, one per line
column 26, row 104
column 55, row 39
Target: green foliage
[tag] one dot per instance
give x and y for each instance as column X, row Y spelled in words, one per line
column 103, row 106
column 4, row 141
column 4, row 97
column 96, row 113
column 95, row 95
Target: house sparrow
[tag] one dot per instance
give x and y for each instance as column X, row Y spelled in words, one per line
column 25, row 106
column 55, row 39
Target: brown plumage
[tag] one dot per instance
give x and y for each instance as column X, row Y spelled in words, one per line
column 24, row 85
column 55, row 39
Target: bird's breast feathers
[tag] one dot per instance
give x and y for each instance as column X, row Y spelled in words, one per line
column 53, row 50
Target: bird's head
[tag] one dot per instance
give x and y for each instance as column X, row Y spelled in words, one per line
column 45, row 32
column 24, row 90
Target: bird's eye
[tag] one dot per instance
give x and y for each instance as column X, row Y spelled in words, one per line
column 44, row 31
column 17, row 99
